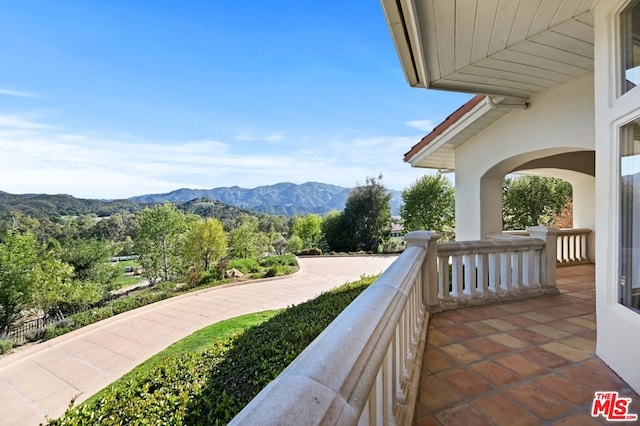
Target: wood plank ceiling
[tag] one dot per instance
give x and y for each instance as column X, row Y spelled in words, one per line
column 513, row 48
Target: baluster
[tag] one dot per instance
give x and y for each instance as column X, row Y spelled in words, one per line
column 505, row 272
column 572, row 248
column 516, row 271
column 469, row 261
column 537, row 268
column 456, row 276
column 494, row 273
column 482, row 274
column 527, row 269
column 443, row 279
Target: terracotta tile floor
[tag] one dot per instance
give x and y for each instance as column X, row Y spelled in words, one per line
column 526, row 362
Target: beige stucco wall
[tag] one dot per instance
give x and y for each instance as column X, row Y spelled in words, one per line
column 557, row 121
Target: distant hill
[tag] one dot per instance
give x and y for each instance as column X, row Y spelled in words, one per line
column 223, row 203
column 45, row 205
column 205, row 207
column 280, row 199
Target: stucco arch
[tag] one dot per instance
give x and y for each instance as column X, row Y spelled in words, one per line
column 577, row 168
column 555, row 134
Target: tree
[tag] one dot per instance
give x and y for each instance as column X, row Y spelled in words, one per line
column 205, row 243
column 18, row 255
column 157, row 240
column 367, row 214
column 335, row 231
column 89, row 258
column 32, row 278
column 244, row 238
column 429, row 204
column 295, row 244
column 309, row 229
column 533, row 200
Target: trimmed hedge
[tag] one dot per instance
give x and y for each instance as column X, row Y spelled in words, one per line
column 211, row 387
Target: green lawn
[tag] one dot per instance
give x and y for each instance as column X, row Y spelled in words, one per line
column 124, row 280
column 199, row 341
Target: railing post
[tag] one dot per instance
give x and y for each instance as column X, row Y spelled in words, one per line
column 549, row 256
column 429, row 241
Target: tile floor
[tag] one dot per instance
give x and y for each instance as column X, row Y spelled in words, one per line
column 526, row 362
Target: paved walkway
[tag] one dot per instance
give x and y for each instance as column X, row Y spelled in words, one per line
column 41, row 380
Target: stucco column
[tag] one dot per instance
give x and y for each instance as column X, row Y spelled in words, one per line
column 490, row 205
column 584, row 208
column 549, row 256
column 429, row 241
column 467, row 200
column 478, row 206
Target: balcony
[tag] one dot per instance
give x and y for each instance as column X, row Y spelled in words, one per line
column 528, row 361
column 528, row 358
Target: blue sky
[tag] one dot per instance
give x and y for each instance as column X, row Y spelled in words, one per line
column 111, row 99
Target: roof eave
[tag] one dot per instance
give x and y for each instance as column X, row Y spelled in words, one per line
column 441, row 133
column 403, row 26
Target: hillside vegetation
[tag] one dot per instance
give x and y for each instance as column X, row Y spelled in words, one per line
column 223, row 203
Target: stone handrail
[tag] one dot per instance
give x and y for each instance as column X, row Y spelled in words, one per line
column 364, row 368
column 507, row 267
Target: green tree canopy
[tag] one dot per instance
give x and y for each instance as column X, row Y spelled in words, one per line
column 18, row 257
column 533, row 200
column 367, row 214
column 309, row 229
column 205, row 243
column 429, row 204
column 32, row 278
column 158, row 240
column 335, row 231
column 244, row 239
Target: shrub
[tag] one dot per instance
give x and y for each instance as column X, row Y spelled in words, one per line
column 194, row 278
column 5, row 345
column 34, row 335
column 282, row 260
column 277, row 270
column 218, row 272
column 246, row 265
column 314, row 251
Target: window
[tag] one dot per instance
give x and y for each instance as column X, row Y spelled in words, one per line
column 629, row 267
column 630, row 25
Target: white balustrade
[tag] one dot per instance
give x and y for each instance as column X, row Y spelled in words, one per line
column 571, row 244
column 485, row 271
column 364, row 368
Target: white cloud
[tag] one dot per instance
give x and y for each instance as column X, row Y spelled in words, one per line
column 424, row 125
column 21, row 94
column 37, row 158
column 16, row 122
column 272, row 137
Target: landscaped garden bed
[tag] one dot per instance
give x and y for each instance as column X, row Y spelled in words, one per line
column 208, row 377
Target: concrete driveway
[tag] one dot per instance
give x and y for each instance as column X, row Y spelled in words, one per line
column 41, row 380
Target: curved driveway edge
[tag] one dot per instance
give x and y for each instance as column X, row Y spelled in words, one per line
column 41, row 380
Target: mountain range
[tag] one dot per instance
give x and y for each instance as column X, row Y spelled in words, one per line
column 287, row 199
